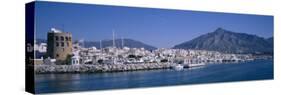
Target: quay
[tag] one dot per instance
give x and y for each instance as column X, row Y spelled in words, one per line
column 96, row 68
column 41, row 69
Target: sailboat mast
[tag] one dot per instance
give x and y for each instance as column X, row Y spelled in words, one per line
column 122, row 42
column 100, row 44
column 113, row 38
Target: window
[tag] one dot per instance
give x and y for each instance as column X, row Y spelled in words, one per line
column 62, row 38
column 62, row 44
column 57, row 38
column 69, row 38
column 57, row 44
column 58, row 55
column 63, row 49
column 67, row 44
column 66, row 38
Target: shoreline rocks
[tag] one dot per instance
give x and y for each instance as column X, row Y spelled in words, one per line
column 41, row 69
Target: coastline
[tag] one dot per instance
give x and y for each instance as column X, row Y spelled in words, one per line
column 99, row 68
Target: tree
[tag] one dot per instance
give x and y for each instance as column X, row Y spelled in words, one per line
column 132, row 56
column 164, row 60
column 67, row 61
column 100, row 61
column 139, row 56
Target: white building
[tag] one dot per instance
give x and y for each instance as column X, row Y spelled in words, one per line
column 75, row 60
column 42, row 47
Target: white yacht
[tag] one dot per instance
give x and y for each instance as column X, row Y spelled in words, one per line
column 195, row 65
column 178, row 67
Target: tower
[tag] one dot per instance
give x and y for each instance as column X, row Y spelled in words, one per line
column 59, row 44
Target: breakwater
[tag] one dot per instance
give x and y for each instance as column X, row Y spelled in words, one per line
column 100, row 68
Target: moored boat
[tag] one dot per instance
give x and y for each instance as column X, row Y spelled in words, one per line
column 178, row 67
column 195, row 65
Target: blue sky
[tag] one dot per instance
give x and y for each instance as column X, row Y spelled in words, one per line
column 156, row 27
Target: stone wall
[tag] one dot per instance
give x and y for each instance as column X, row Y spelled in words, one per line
column 99, row 68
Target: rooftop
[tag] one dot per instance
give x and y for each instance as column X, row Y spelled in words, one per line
column 54, row 30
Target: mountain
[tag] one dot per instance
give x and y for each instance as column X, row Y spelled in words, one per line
column 270, row 41
column 41, row 41
column 106, row 43
column 229, row 42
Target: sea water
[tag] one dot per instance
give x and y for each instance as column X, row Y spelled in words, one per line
column 210, row 73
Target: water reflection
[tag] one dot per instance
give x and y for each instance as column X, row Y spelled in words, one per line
column 261, row 69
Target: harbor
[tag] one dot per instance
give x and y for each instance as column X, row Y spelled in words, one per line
column 84, row 47
column 99, row 68
column 61, row 55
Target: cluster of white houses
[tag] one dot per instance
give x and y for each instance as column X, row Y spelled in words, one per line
column 60, row 47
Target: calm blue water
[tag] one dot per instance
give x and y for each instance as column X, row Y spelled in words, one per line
column 255, row 70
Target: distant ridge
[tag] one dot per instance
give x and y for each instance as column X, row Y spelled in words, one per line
column 127, row 43
column 219, row 40
column 229, row 42
column 107, row 43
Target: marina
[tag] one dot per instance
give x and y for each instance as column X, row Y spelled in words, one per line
column 76, row 58
column 97, row 68
column 82, row 47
